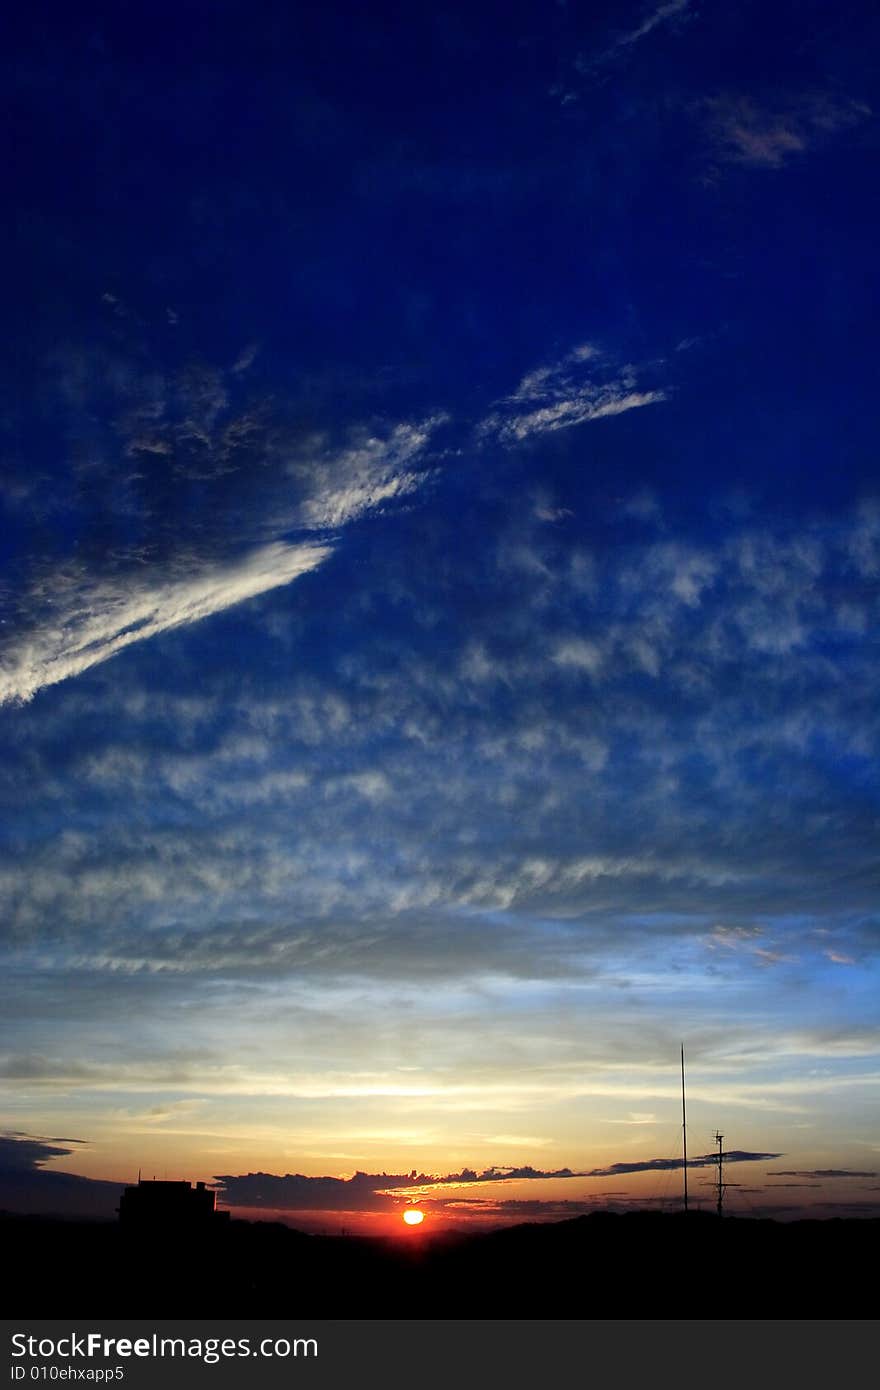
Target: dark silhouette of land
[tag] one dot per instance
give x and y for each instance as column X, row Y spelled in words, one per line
column 645, row 1264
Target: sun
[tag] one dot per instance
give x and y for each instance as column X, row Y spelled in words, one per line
column 412, row 1217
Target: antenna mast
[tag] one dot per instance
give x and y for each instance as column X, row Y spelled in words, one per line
column 719, row 1140
column 684, row 1137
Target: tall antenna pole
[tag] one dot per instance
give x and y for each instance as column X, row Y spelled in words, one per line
column 719, row 1140
column 684, row 1137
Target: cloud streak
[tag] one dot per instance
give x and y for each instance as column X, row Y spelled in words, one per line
column 91, row 621
column 747, row 133
column 362, row 1191
column 576, row 389
column 183, row 438
column 661, row 15
column 592, row 64
column 821, row 1173
column 662, row 1165
column 384, row 1191
column 74, row 619
column 371, row 472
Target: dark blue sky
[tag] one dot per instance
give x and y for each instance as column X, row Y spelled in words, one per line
column 441, row 536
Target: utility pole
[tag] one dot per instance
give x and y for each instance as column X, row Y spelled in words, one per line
column 684, row 1137
column 719, row 1140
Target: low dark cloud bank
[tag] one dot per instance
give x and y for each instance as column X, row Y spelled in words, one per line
column 375, row 1191
column 821, row 1173
column 22, row 1153
column 660, row 1165
column 25, row 1186
column 361, row 1192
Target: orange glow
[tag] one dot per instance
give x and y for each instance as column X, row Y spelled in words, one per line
column 413, row 1217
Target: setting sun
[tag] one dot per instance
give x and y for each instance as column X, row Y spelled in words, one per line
column 413, row 1217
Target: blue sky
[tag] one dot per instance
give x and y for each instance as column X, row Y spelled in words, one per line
column 441, row 536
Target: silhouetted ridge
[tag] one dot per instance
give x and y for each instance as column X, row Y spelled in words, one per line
column 604, row 1265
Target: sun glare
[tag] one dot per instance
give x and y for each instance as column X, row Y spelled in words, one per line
column 413, row 1217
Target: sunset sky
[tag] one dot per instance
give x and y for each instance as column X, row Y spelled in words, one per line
column 441, row 576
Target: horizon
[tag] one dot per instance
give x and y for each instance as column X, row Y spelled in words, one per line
column 439, row 606
column 374, row 1204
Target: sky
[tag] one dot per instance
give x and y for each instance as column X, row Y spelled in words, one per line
column 440, row 575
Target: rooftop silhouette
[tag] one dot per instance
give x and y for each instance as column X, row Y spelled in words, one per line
column 153, row 1206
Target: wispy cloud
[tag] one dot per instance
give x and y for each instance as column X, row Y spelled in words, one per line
column 188, row 472
column 821, row 1173
column 661, row 15
column 74, row 619
column 577, row 388
column 659, row 1165
column 374, row 469
column 188, row 430
column 770, row 136
column 590, row 64
column 90, row 621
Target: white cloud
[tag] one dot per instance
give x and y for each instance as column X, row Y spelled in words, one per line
column 93, row 620
column 572, row 391
column 583, row 405
column 372, row 786
column 659, row 16
column 541, row 380
column 579, row 654
column 662, row 14
column 71, row 620
column 374, row 470
column 863, row 542
column 246, row 358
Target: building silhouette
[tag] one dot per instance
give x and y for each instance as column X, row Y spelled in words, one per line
column 159, row 1208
